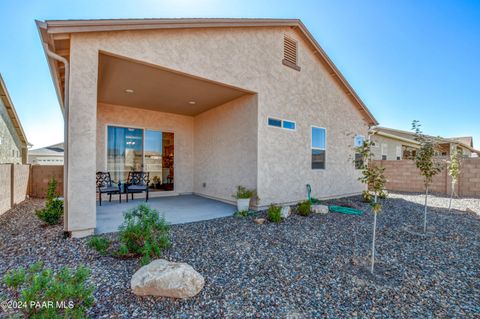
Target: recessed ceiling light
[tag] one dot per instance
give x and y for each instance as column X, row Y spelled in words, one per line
column 129, row 91
column 192, row 102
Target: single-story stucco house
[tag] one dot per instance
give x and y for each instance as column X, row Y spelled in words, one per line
column 203, row 105
column 48, row 155
column 394, row 144
column 13, row 141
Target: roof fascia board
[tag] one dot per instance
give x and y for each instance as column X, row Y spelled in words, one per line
column 397, row 137
column 52, row 27
column 339, row 74
column 73, row 26
column 44, row 38
column 5, row 96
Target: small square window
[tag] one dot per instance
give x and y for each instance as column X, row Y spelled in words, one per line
column 318, row 159
column 288, row 125
column 274, row 122
column 384, row 157
column 358, row 161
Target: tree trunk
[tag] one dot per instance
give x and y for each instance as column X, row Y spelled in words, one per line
column 373, row 239
column 425, row 214
column 451, row 196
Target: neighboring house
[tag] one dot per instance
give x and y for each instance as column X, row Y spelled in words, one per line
column 226, row 102
column 393, row 144
column 13, row 141
column 49, row 155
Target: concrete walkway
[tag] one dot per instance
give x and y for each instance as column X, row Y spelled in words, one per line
column 176, row 209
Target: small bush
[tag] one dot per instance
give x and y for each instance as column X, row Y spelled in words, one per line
column 383, row 194
column 304, row 208
column 53, row 211
column 367, row 197
column 143, row 233
column 244, row 213
column 99, row 243
column 274, row 213
column 65, row 294
column 243, row 192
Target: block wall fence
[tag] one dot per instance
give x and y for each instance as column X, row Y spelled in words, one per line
column 404, row 176
column 18, row 182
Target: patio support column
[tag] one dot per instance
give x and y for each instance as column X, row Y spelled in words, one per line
column 81, row 127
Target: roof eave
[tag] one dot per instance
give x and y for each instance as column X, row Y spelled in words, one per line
column 13, row 114
column 45, row 39
column 51, row 27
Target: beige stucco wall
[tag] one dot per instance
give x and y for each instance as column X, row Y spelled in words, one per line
column 309, row 97
column 226, row 148
column 180, row 125
column 391, row 147
column 248, row 58
column 10, row 146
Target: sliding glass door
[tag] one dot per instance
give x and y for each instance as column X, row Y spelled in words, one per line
column 134, row 149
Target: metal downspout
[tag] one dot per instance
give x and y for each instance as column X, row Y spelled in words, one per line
column 65, row 131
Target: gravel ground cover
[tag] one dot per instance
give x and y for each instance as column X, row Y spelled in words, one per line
column 305, row 267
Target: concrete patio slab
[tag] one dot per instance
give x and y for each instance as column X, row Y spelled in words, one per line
column 176, row 209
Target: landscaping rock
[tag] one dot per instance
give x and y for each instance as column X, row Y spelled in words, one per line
column 320, row 209
column 286, row 211
column 259, row 221
column 469, row 210
column 300, row 268
column 167, row 279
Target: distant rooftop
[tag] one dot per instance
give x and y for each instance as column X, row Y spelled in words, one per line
column 55, row 149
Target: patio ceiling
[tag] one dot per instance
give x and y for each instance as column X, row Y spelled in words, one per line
column 127, row 82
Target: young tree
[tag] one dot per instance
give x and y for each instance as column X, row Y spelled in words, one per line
column 454, row 171
column 373, row 177
column 426, row 162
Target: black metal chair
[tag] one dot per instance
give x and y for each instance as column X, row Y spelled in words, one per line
column 106, row 186
column 137, row 182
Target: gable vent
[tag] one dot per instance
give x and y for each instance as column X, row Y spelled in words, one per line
column 290, row 51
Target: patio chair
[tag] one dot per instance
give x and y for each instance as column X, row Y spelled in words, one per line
column 106, row 186
column 137, row 182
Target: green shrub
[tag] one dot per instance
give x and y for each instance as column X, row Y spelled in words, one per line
column 274, row 213
column 243, row 192
column 53, row 211
column 143, row 233
column 383, row 194
column 367, row 197
column 99, row 243
column 304, row 208
column 244, row 213
column 45, row 294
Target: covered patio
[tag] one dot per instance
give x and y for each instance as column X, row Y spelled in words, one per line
column 176, row 210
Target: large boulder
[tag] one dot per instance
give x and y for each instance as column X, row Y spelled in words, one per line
column 167, row 279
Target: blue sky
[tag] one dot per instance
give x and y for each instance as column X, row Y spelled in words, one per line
column 406, row 59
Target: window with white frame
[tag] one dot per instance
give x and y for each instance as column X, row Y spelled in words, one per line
column 288, row 125
column 398, row 152
column 358, row 141
column 318, row 147
column 384, row 151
